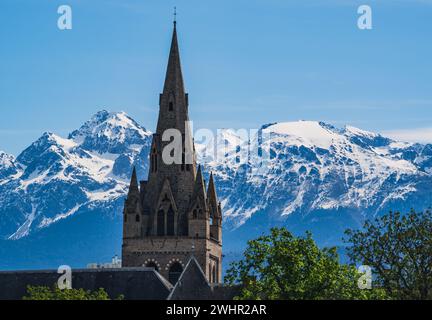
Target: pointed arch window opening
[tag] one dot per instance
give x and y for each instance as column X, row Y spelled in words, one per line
column 161, row 223
column 170, row 222
column 137, row 218
column 171, row 102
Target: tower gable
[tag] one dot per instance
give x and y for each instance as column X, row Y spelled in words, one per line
column 165, row 217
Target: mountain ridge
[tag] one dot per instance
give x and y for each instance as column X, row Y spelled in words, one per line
column 315, row 177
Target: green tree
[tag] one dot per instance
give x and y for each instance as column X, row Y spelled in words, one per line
column 46, row 293
column 398, row 248
column 280, row 266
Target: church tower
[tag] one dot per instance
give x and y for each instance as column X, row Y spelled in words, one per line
column 173, row 216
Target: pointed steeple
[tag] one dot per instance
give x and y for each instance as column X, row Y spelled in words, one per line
column 133, row 187
column 214, row 207
column 200, row 184
column 174, row 77
column 199, row 194
column 173, row 101
column 211, row 191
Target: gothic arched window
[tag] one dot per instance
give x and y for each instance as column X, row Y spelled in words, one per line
column 171, row 106
column 137, row 218
column 174, row 273
column 195, row 214
column 170, row 222
column 161, row 223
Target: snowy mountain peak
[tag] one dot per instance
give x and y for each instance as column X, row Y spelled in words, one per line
column 307, row 133
column 103, row 123
column 55, row 177
column 109, row 132
column 49, row 138
column 350, row 130
column 6, row 160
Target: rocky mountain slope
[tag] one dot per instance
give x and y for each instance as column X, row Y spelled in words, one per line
column 63, row 197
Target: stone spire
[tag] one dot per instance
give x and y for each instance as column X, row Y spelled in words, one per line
column 199, row 194
column 214, row 207
column 173, row 101
column 132, row 210
column 180, row 175
column 133, row 187
column 174, row 76
column 211, row 191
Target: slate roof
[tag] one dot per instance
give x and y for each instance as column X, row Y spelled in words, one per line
column 132, row 283
column 193, row 285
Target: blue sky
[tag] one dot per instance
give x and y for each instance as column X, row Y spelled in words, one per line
column 245, row 62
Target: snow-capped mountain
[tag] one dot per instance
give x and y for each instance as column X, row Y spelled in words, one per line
column 64, row 196
column 55, row 178
column 321, row 178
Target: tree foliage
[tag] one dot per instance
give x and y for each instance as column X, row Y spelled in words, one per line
column 398, row 248
column 281, row 266
column 46, row 293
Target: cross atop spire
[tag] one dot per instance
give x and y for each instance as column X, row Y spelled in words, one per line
column 175, row 16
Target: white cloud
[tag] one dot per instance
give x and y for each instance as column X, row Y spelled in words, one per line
column 421, row 135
